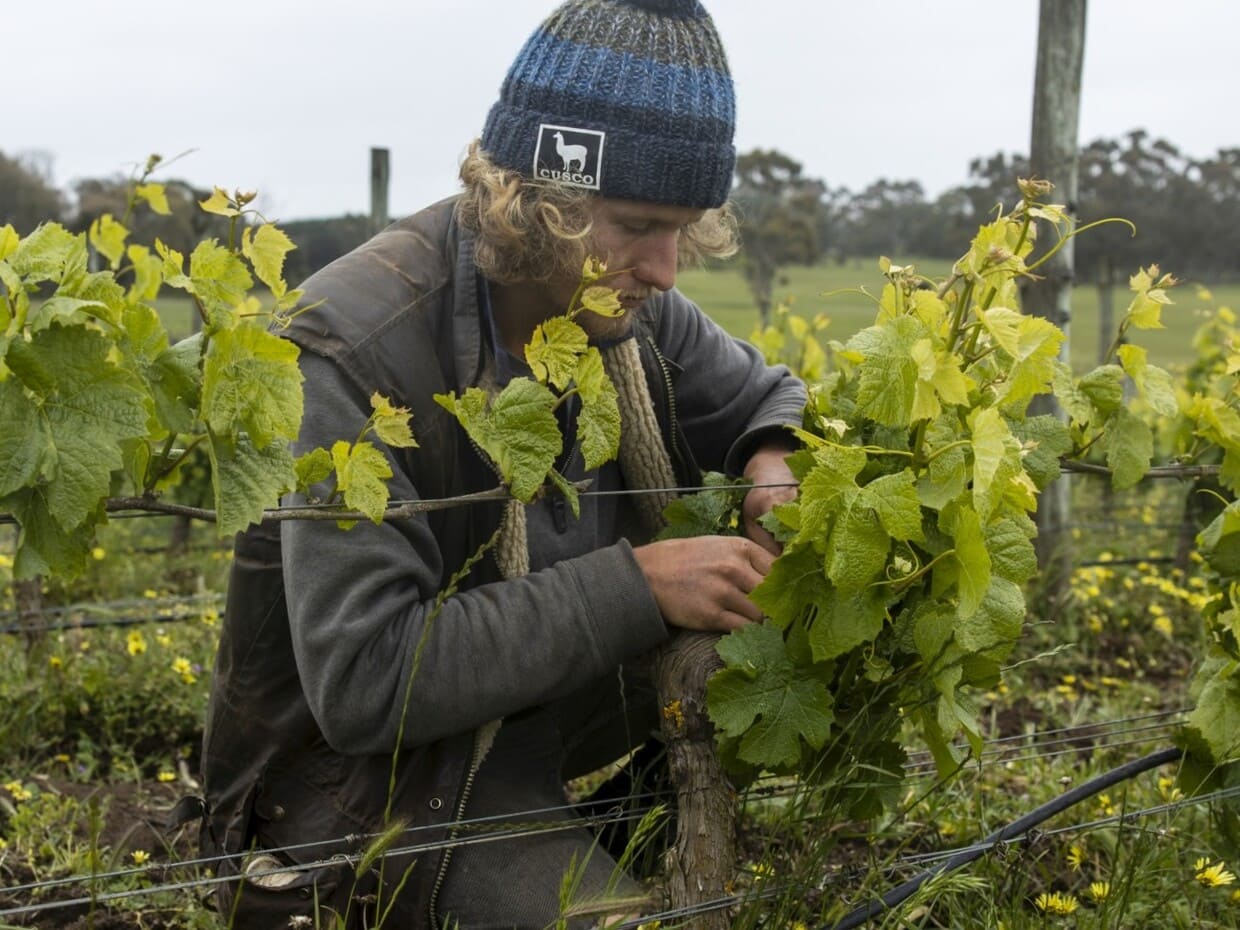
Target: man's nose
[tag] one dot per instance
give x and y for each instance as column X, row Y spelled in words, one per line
column 656, row 265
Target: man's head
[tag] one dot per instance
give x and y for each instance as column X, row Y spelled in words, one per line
column 612, row 108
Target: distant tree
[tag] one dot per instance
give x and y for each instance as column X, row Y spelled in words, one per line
column 781, row 220
column 890, row 218
column 27, row 197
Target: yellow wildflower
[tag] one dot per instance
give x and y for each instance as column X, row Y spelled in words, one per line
column 62, row 757
column 210, row 616
column 1170, row 793
column 55, row 661
column 163, row 639
column 166, row 776
column 1099, row 891
column 4, row 844
column 140, row 856
column 18, row 791
column 1057, row 903
column 1235, row 895
column 1163, row 625
column 762, row 871
column 1076, row 857
column 181, row 665
column 135, row 642
column 1106, row 805
column 1213, row 876
column 150, row 594
column 97, row 553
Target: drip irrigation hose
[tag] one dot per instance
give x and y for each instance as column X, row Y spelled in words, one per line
column 900, row 893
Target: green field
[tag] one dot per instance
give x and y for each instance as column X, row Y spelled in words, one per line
column 836, row 291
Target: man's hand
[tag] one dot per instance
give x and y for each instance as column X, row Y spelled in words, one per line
column 703, row 583
column 767, row 466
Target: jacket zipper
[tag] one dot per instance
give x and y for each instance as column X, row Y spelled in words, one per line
column 669, row 404
column 475, row 763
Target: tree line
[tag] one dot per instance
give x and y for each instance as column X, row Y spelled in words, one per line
column 1185, row 211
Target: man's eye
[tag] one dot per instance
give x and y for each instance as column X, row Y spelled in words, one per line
column 637, row 229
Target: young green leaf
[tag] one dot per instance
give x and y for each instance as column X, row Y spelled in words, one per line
column 391, row 424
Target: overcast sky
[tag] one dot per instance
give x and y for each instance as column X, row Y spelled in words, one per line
column 288, row 97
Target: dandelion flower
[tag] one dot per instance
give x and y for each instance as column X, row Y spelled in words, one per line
column 1076, row 857
column 1163, row 625
column 1057, row 903
column 140, row 856
column 55, row 662
column 150, row 594
column 166, row 776
column 1099, row 891
column 181, row 665
column 1213, row 876
column 1106, row 805
column 135, row 643
column 164, row 640
column 18, row 791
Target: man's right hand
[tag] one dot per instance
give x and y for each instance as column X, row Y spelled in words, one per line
column 703, row 583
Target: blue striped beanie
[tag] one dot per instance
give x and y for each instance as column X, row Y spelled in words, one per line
column 629, row 98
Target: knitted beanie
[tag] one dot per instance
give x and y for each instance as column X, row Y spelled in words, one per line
column 629, row 98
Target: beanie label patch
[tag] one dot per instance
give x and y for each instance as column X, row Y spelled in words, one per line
column 569, row 155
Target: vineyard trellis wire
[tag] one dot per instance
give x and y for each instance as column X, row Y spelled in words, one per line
column 495, row 828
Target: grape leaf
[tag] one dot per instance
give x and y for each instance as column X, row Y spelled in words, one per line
column 605, row 301
column 1217, row 714
column 1012, row 555
column 176, row 384
column 844, row 621
column 248, row 480
column 857, row 546
column 795, row 585
column 155, row 197
column 972, row 558
column 598, row 423
column 996, row 459
column 1104, row 386
column 993, row 628
column 27, row 448
column 518, row 431
column 894, row 499
column 44, row 545
column 826, row 488
column 251, row 381
column 266, row 249
column 88, row 406
column 1153, row 382
column 1129, row 446
column 1044, row 439
column 311, row 468
column 108, row 237
column 553, row 351
column 391, row 424
column 362, row 472
column 45, row 254
column 767, row 702
column 218, row 276
column 887, row 375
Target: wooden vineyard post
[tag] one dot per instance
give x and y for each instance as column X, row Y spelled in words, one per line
column 702, row 863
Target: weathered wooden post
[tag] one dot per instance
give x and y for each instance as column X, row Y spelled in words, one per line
column 1054, row 155
column 380, row 175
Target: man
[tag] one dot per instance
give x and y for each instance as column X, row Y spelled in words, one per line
column 346, row 697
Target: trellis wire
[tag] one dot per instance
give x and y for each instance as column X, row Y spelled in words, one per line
column 615, row 813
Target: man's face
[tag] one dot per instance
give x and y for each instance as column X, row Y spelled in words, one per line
column 640, row 244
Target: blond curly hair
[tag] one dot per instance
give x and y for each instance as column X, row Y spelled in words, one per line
column 528, row 230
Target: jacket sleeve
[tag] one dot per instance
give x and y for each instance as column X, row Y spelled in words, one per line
column 728, row 399
column 362, row 616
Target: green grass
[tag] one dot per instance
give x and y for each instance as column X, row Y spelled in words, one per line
column 835, row 290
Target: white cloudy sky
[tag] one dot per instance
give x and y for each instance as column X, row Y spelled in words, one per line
column 288, row 97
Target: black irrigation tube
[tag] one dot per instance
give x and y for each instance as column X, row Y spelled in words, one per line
column 902, row 892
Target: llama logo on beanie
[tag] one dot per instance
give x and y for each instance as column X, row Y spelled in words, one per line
column 569, row 156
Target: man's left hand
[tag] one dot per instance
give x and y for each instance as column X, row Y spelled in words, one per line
column 767, row 466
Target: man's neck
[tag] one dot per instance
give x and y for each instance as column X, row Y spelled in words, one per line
column 518, row 309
